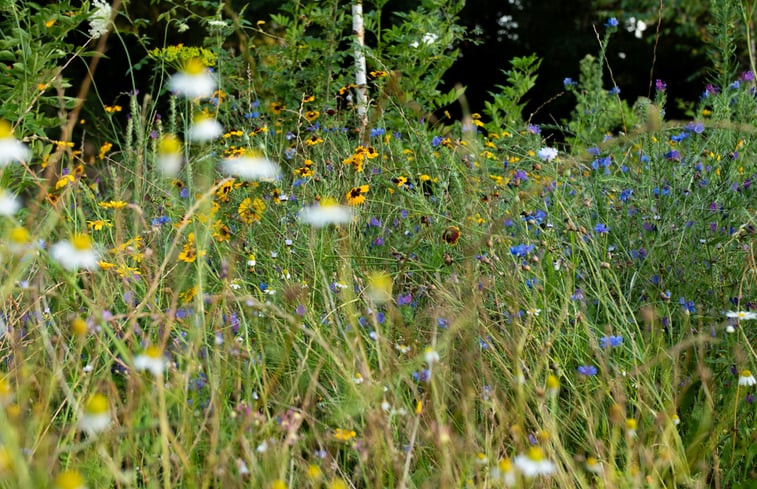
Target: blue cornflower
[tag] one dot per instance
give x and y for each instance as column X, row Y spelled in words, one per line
column 159, row 221
column 521, row 250
column 568, row 82
column 615, row 90
column 611, row 341
column 587, row 370
column 601, row 228
column 688, row 306
column 612, row 22
column 436, row 141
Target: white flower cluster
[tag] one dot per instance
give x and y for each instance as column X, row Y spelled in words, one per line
column 99, row 18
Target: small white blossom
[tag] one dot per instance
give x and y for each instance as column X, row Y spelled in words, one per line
column 533, row 463
column 741, row 315
column 75, row 254
column 204, row 129
column 151, row 360
column 11, row 149
column 326, row 213
column 9, row 204
column 193, row 81
column 547, row 154
column 251, row 168
column 746, row 378
column 99, row 18
column 95, row 417
column 427, row 39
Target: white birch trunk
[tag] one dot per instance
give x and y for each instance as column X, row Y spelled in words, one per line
column 361, row 77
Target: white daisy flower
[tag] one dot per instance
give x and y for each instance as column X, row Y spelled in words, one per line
column 75, row 254
column 9, row 204
column 251, row 167
column 193, row 81
column 204, row 129
column 95, row 417
column 327, row 212
column 746, row 378
column 431, row 356
column 504, row 472
column 534, row 463
column 11, row 149
column 151, row 360
column 741, row 315
column 594, row 466
column 169, row 155
column 99, row 18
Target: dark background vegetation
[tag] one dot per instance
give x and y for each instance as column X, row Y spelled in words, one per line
column 560, row 32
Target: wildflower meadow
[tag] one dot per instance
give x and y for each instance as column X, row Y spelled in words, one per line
column 277, row 260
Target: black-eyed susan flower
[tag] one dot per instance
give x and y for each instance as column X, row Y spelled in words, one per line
column 312, row 115
column 356, row 195
column 326, row 212
column 221, row 232
column 76, row 253
column 151, row 360
column 9, row 203
column 277, row 108
column 70, row 479
column 189, row 253
column 193, row 81
column 534, row 463
column 250, row 210
column 204, row 128
column 224, row 189
column 451, row 235
column 251, row 166
column 314, row 140
column 11, row 149
column 95, row 416
column 169, row 157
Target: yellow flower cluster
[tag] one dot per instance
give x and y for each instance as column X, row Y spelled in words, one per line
column 180, row 55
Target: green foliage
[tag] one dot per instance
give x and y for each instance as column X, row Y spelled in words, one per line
column 598, row 112
column 506, row 110
column 33, row 50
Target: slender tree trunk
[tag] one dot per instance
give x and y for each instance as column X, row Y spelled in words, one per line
column 360, row 71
